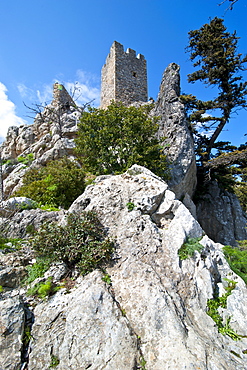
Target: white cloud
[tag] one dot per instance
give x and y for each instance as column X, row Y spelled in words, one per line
column 86, row 89
column 8, row 116
column 45, row 94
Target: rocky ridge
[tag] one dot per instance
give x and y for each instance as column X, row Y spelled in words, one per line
column 50, row 137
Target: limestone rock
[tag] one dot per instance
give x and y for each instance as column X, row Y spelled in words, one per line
column 154, row 310
column 221, row 216
column 83, row 329
column 10, row 206
column 12, row 319
column 178, row 142
column 18, row 226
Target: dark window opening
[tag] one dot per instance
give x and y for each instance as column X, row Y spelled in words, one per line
column 134, row 74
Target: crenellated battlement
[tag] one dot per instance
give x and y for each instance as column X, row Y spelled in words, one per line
column 124, row 76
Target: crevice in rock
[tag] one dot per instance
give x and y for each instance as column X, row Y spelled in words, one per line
column 133, row 333
column 26, row 337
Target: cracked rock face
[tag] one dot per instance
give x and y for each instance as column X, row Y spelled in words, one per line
column 154, row 310
column 220, row 214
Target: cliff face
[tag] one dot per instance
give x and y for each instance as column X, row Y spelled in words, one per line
column 153, row 312
column 178, row 141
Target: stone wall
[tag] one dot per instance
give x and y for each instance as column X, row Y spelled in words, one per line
column 123, row 77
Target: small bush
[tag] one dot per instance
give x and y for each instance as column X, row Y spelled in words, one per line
column 237, row 260
column 57, row 184
column 43, row 290
column 189, row 247
column 37, row 270
column 217, row 302
column 82, row 242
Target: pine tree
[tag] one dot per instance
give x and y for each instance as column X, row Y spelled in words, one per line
column 213, row 51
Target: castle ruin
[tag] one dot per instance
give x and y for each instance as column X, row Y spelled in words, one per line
column 123, row 77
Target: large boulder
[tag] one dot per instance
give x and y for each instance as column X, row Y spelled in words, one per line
column 153, row 314
column 178, row 143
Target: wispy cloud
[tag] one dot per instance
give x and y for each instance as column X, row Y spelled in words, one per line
column 8, row 115
column 44, row 94
column 85, row 89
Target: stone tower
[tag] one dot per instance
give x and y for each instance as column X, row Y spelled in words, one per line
column 123, row 77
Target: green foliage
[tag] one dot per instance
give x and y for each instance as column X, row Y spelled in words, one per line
column 113, row 139
column 57, row 184
column 106, row 278
column 214, row 53
column 1, row 289
column 82, row 242
column 10, row 243
column 37, row 269
column 26, row 160
column 54, row 361
column 23, row 206
column 142, row 363
column 217, row 302
column 237, row 260
column 43, row 290
column 26, row 335
column 189, row 247
column 130, row 206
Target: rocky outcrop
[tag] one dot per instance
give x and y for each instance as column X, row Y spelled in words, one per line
column 50, row 137
column 153, row 313
column 221, row 216
column 178, row 143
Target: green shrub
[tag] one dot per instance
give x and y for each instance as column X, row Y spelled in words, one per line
column 82, row 242
column 189, row 247
column 213, row 306
column 237, row 260
column 113, row 139
column 57, row 184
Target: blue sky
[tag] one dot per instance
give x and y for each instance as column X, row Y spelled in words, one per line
column 44, row 41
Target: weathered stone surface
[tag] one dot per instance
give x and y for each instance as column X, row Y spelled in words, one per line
column 16, row 227
column 11, row 205
column 83, row 329
column 123, row 77
column 155, row 307
column 221, row 216
column 173, row 126
column 12, row 319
